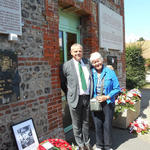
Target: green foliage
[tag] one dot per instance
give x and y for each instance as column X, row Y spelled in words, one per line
column 148, row 64
column 135, row 67
column 148, row 61
column 141, row 39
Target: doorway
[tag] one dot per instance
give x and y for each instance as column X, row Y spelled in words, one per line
column 68, row 35
column 66, row 39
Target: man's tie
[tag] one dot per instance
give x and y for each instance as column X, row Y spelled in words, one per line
column 83, row 81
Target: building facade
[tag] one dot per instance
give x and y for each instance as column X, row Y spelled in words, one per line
column 29, row 65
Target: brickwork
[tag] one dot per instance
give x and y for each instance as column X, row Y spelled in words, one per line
column 39, row 61
column 38, row 66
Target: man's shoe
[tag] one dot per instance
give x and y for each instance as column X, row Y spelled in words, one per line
column 81, row 148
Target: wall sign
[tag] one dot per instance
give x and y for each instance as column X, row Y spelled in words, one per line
column 112, row 60
column 9, row 77
column 110, row 28
column 10, row 17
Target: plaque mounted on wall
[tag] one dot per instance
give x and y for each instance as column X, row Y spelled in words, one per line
column 112, row 60
column 9, row 77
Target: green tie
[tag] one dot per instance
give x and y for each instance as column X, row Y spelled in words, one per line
column 83, row 81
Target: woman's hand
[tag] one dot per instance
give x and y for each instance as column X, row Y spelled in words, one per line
column 102, row 98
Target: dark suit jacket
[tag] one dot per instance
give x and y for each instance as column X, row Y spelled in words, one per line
column 70, row 83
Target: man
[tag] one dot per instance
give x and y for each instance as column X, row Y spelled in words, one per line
column 75, row 82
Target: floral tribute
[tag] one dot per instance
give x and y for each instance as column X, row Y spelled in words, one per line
column 126, row 100
column 58, row 144
column 139, row 126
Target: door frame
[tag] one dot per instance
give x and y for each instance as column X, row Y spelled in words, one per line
column 68, row 23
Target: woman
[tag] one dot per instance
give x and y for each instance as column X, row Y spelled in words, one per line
column 103, row 119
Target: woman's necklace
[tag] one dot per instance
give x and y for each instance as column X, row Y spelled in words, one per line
column 98, row 84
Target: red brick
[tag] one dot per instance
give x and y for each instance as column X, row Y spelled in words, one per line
column 1, row 114
column 17, row 104
column 4, row 107
column 8, row 112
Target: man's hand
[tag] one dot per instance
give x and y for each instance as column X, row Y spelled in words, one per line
column 110, row 67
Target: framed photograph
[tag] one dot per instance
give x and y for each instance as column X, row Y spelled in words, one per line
column 25, row 135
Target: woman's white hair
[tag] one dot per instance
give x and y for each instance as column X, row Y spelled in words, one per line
column 96, row 55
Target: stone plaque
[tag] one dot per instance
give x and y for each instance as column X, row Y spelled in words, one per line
column 10, row 16
column 9, row 77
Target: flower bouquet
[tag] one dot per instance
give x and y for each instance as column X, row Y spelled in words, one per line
column 139, row 126
column 127, row 107
column 54, row 144
column 127, row 100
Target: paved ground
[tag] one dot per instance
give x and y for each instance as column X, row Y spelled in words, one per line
column 122, row 139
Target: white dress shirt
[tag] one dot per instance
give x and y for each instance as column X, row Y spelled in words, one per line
column 86, row 74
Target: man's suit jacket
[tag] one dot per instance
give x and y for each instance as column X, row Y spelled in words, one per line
column 70, row 83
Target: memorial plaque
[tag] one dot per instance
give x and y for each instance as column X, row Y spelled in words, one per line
column 110, row 28
column 9, row 77
column 10, row 17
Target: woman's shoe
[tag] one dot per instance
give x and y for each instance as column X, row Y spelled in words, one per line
column 98, row 148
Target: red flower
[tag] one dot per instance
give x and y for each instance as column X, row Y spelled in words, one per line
column 123, row 90
column 127, row 100
column 131, row 102
column 63, row 145
column 136, row 124
column 138, row 130
column 119, row 102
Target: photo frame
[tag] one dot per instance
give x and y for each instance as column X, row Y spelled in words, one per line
column 25, row 135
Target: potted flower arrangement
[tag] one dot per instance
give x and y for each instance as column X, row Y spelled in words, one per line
column 127, row 107
column 139, row 126
column 127, row 100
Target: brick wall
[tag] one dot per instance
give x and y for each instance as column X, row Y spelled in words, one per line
column 38, row 65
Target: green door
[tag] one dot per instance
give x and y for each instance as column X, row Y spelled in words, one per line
column 68, row 35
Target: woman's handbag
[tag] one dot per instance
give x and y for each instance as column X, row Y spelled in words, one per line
column 94, row 104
